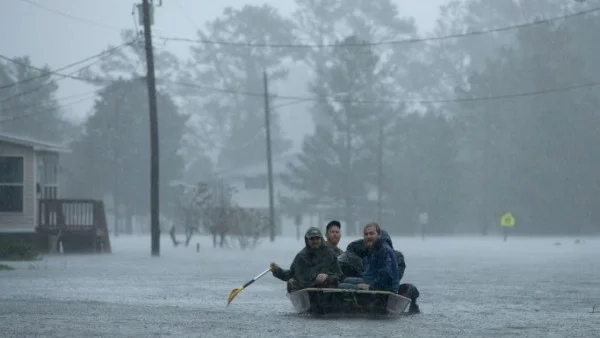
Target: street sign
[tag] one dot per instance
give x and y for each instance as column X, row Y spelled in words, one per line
column 507, row 220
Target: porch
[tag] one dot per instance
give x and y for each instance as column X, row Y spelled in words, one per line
column 76, row 225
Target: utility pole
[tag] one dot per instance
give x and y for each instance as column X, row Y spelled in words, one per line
column 380, row 172
column 154, row 174
column 485, row 207
column 269, row 159
column 117, row 165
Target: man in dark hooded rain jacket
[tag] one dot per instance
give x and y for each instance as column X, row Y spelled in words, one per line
column 351, row 263
column 314, row 266
column 380, row 265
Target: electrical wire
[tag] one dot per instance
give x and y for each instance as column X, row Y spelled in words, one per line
column 372, row 43
column 72, row 17
column 37, row 112
column 389, row 42
column 37, row 104
column 46, row 72
column 421, row 101
column 70, row 75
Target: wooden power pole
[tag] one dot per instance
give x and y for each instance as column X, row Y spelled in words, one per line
column 154, row 156
column 269, row 160
column 380, row 147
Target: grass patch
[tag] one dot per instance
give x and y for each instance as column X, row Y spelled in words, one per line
column 17, row 251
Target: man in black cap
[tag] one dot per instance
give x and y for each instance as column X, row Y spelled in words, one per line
column 314, row 266
column 333, row 234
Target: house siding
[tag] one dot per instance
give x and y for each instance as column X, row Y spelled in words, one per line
column 25, row 221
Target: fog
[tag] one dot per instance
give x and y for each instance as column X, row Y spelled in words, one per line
column 465, row 128
column 484, row 109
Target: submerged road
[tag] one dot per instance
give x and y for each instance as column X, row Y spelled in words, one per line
column 469, row 288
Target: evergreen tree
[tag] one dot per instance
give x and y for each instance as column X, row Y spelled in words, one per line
column 234, row 123
column 112, row 156
column 333, row 170
column 28, row 104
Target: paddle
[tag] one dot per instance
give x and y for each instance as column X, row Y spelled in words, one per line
column 235, row 291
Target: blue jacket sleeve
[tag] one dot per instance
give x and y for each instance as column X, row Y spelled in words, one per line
column 387, row 277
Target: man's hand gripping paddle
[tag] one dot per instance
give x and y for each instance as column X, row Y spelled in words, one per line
column 236, row 291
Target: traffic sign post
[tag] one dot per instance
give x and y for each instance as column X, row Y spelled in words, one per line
column 423, row 220
column 507, row 220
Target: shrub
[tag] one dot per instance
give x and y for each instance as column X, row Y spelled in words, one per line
column 17, row 251
column 5, row 267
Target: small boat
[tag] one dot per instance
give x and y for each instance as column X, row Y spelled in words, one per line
column 319, row 301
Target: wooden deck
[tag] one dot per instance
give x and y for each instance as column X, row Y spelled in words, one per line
column 78, row 224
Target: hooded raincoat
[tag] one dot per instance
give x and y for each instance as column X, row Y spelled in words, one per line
column 352, row 261
column 381, row 266
column 310, row 262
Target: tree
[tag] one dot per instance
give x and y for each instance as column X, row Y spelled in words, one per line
column 423, row 174
column 129, row 62
column 249, row 227
column 333, row 170
column 324, row 22
column 447, row 63
column 233, row 122
column 112, row 155
column 535, row 161
column 191, row 202
column 210, row 205
column 317, row 22
column 448, row 72
column 28, row 104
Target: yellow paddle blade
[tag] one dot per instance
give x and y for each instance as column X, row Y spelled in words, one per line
column 235, row 291
column 233, row 294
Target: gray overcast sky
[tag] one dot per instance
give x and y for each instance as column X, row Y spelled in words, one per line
column 54, row 39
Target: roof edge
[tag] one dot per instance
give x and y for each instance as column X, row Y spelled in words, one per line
column 36, row 145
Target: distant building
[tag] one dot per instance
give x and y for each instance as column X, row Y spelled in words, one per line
column 252, row 191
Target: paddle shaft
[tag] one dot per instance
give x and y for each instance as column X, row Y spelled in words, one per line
column 256, row 278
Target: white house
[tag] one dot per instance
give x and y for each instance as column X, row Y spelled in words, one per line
column 28, row 171
column 252, row 191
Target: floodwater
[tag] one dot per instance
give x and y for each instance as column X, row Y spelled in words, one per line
column 470, row 287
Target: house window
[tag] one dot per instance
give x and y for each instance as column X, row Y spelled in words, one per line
column 11, row 184
column 257, row 182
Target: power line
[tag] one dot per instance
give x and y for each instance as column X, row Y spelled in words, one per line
column 69, row 75
column 37, row 104
column 72, row 17
column 373, row 43
column 46, row 72
column 299, row 99
column 390, row 42
column 421, row 101
column 37, row 112
column 185, row 14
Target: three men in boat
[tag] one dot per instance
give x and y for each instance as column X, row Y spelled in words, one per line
column 370, row 263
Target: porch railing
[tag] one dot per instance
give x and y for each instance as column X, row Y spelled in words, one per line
column 70, row 214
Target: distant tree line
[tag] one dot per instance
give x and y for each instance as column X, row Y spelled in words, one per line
column 463, row 128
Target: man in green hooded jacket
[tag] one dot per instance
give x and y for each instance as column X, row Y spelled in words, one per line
column 314, row 266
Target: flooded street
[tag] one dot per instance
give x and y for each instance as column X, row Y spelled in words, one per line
column 469, row 288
